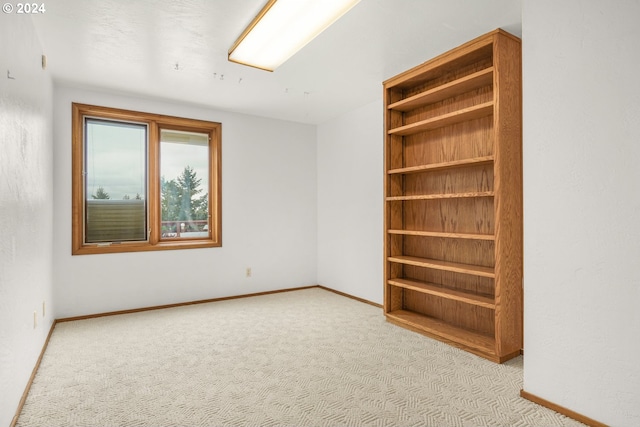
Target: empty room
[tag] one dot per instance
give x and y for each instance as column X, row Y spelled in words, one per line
column 360, row 212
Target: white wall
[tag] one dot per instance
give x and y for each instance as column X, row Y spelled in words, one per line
column 350, row 202
column 25, row 208
column 582, row 198
column 582, row 195
column 268, row 218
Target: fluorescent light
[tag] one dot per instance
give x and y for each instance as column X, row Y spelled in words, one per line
column 282, row 28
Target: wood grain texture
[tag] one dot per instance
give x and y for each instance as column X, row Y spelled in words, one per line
column 439, row 234
column 479, row 285
column 464, row 251
column 464, row 102
column 458, row 116
column 453, row 215
column 445, row 330
column 508, row 190
column 473, row 179
column 441, row 291
column 472, row 318
column 471, row 52
column 462, row 85
column 443, row 165
column 458, row 181
column 442, row 196
column 444, row 265
column 450, row 143
column 488, row 354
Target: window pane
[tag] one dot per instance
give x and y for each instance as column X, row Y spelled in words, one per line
column 115, row 181
column 184, row 172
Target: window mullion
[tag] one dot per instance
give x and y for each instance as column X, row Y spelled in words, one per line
column 153, row 180
column 215, row 186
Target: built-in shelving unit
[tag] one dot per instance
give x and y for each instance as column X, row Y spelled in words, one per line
column 453, row 196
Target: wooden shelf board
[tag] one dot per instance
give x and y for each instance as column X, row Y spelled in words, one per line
column 444, row 165
column 483, row 343
column 451, row 89
column 470, row 113
column 442, row 196
column 442, row 292
column 472, row 236
column 474, row 270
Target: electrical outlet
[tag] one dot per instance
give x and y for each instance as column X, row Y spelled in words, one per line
column 248, row 271
column 35, row 319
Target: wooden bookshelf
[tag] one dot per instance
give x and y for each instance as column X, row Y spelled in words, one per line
column 453, row 195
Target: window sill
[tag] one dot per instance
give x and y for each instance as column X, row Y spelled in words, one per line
column 143, row 247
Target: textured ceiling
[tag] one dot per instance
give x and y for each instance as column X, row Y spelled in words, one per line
column 177, row 50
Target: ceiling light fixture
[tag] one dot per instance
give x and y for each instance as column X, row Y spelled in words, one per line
column 282, row 28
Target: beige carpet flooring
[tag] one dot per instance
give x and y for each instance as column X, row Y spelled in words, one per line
column 300, row 358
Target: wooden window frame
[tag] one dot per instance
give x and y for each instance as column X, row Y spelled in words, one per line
column 155, row 122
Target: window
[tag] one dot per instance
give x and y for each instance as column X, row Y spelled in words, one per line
column 143, row 182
